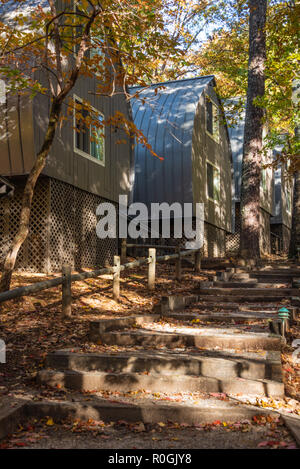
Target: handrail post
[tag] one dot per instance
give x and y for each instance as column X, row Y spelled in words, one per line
column 178, row 264
column 151, row 268
column 198, row 261
column 123, row 251
column 66, row 291
column 116, row 278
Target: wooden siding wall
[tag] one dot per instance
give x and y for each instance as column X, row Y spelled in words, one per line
column 22, row 129
column 206, row 149
column 16, row 136
column 68, row 166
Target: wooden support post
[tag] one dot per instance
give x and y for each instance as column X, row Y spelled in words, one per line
column 198, row 261
column 151, row 268
column 124, row 251
column 116, row 278
column 66, row 291
column 178, row 264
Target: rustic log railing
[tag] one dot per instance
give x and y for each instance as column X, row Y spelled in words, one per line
column 67, row 277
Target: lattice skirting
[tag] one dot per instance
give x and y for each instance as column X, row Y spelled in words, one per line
column 62, row 228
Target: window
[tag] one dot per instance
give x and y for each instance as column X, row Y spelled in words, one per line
column 2, row 92
column 213, row 182
column 288, row 197
column 263, row 180
column 212, row 119
column 89, row 139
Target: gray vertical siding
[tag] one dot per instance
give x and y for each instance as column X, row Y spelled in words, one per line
column 173, row 120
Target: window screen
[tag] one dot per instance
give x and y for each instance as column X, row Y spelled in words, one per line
column 90, row 138
column 82, row 133
column 213, row 182
column 209, row 116
column 212, row 118
column 97, row 141
column 210, row 180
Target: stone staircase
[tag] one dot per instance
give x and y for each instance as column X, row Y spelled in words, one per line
column 216, row 341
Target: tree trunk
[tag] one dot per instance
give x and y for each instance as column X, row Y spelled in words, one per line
column 23, row 230
column 295, row 232
column 253, row 133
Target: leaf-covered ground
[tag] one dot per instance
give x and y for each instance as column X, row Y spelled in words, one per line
column 260, row 432
column 33, row 326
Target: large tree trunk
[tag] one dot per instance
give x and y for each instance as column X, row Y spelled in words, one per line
column 253, row 134
column 23, row 230
column 295, row 232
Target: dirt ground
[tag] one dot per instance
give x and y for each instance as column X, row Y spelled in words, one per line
column 260, row 433
column 33, row 326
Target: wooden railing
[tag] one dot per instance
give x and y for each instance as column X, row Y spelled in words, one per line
column 67, row 278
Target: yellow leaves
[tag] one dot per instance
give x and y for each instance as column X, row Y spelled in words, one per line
column 50, row 422
column 161, row 424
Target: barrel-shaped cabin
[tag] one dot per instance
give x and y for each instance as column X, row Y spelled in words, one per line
column 184, row 123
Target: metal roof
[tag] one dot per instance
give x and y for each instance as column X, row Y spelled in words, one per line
column 166, row 119
column 11, row 7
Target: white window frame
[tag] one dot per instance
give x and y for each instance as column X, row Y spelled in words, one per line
column 216, row 137
column 218, row 169
column 77, row 150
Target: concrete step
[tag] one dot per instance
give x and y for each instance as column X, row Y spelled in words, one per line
column 206, row 411
column 119, row 323
column 210, row 304
column 241, row 276
column 248, row 284
column 206, row 338
column 274, row 274
column 271, row 300
column 128, row 382
column 253, row 367
column 249, row 292
column 241, row 317
column 287, row 272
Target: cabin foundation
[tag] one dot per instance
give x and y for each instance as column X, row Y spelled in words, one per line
column 62, row 228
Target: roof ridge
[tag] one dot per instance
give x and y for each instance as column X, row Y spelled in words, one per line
column 172, row 81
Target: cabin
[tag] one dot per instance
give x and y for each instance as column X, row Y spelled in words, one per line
column 80, row 173
column 236, row 133
column 183, row 122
